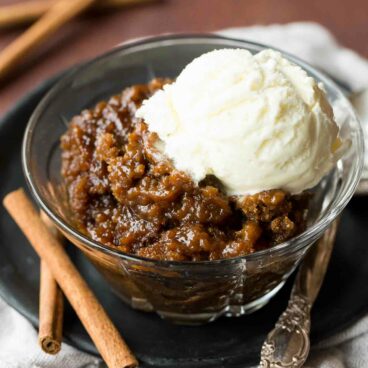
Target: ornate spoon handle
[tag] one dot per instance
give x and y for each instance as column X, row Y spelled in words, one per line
column 287, row 345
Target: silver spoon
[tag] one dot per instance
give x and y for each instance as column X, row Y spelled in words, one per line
column 288, row 344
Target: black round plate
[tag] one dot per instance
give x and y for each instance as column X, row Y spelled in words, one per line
column 228, row 342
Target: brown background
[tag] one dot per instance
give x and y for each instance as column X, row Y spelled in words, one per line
column 92, row 35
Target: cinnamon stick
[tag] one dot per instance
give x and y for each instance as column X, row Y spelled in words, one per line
column 107, row 339
column 51, row 312
column 29, row 11
column 51, row 304
column 24, row 12
column 61, row 12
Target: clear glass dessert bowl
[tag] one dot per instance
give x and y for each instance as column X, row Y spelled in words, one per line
column 184, row 292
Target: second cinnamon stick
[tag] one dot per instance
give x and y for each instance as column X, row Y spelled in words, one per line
column 51, row 303
column 26, row 12
column 51, row 312
column 61, row 12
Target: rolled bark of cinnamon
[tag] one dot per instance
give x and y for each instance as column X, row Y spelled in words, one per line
column 51, row 312
column 20, row 13
column 27, row 12
column 50, row 332
column 107, row 339
column 59, row 14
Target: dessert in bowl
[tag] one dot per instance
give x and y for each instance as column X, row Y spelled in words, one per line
column 195, row 192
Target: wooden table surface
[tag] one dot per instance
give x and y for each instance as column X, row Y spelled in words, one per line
column 91, row 35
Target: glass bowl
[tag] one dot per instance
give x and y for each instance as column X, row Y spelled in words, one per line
column 183, row 292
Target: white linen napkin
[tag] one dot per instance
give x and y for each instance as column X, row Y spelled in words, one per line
column 349, row 349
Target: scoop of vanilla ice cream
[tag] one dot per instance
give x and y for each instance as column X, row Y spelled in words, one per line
column 256, row 122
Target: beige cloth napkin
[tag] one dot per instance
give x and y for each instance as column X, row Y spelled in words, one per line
column 349, row 349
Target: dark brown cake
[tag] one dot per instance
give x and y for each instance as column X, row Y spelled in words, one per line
column 124, row 193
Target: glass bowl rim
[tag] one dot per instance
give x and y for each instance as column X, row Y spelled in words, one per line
column 292, row 245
